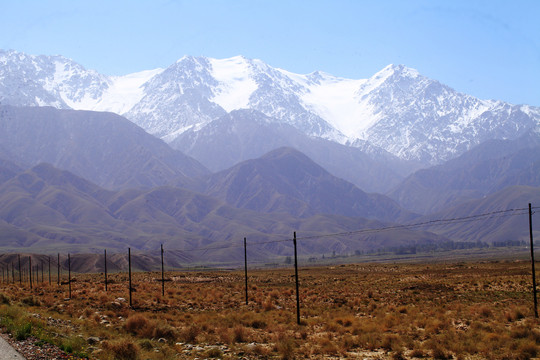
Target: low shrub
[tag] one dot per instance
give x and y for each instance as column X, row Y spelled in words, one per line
column 165, row 331
column 189, row 334
column 123, row 350
column 137, row 323
column 240, row 334
column 285, row 346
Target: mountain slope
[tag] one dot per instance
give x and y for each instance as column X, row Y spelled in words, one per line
column 102, row 147
column 287, row 181
column 50, row 210
column 397, row 109
column 499, row 227
column 248, row 134
column 8, row 169
column 422, row 119
column 487, row 168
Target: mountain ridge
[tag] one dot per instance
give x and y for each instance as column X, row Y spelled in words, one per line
column 286, row 180
column 102, row 147
column 397, row 109
column 483, row 170
column 52, row 210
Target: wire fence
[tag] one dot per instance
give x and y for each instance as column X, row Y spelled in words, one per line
column 17, row 268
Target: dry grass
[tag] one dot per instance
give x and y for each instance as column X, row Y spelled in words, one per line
column 376, row 311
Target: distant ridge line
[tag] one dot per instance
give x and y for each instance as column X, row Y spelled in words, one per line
column 499, row 213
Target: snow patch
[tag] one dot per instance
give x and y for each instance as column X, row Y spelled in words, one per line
column 235, row 83
column 335, row 100
column 125, row 91
column 121, row 95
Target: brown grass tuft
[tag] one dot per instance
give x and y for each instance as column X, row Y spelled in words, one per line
column 240, row 334
column 285, row 346
column 189, row 334
column 123, row 350
column 140, row 325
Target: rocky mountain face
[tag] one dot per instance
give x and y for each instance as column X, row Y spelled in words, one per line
column 28, row 80
column 398, row 110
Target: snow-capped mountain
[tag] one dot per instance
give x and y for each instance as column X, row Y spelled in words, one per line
column 397, row 109
column 28, row 80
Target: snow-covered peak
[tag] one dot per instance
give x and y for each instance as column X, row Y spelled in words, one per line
column 397, row 109
column 399, row 70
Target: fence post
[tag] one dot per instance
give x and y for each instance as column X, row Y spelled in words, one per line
column 532, row 263
column 162, row 274
column 42, row 272
column 296, row 277
column 20, row 276
column 30, row 270
column 13, row 271
column 58, row 266
column 105, row 262
column 245, row 268
column 69, row 275
column 129, row 269
column 49, row 270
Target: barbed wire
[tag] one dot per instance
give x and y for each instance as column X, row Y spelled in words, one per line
column 429, row 223
column 435, row 222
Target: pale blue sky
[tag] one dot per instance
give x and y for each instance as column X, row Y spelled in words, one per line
column 489, row 49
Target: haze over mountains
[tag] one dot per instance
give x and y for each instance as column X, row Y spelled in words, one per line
column 216, row 150
column 397, row 109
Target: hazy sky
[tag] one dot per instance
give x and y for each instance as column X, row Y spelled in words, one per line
column 489, row 49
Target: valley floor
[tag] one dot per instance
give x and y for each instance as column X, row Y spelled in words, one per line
column 459, row 310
